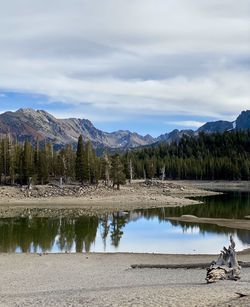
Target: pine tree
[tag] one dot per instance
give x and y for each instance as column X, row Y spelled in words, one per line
column 117, row 175
column 43, row 167
column 27, row 162
column 79, row 164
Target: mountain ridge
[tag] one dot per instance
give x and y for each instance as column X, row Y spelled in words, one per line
column 33, row 125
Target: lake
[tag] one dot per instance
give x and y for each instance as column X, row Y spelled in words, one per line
column 144, row 231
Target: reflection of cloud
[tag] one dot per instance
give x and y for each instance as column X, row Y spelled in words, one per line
column 193, row 59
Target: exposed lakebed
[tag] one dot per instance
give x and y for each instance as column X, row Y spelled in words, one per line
column 145, row 231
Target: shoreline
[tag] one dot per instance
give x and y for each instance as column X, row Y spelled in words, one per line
column 101, row 200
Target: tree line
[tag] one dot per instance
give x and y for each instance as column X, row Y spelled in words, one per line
column 205, row 157
column 20, row 163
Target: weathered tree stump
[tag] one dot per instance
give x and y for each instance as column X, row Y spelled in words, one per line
column 226, row 266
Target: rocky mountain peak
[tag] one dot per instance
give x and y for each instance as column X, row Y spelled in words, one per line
column 217, row 126
column 243, row 120
column 27, row 123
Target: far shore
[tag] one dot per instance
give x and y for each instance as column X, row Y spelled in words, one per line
column 100, row 200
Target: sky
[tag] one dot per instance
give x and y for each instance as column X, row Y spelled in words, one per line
column 145, row 65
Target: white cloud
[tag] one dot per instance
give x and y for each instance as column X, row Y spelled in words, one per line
column 146, row 57
column 188, row 123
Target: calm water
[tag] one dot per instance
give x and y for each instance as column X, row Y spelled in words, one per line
column 135, row 231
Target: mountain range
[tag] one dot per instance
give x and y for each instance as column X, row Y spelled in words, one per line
column 39, row 125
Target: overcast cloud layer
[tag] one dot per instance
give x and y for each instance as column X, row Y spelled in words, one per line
column 105, row 58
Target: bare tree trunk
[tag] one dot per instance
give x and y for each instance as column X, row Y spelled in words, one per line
column 163, row 170
column 30, row 183
column 130, row 171
column 107, row 176
column 226, row 266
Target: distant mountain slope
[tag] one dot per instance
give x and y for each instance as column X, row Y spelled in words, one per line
column 174, row 135
column 218, row 126
column 38, row 124
column 241, row 123
column 31, row 124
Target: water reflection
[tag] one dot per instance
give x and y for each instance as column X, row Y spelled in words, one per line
column 135, row 231
column 231, row 205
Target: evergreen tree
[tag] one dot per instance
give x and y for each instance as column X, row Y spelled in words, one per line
column 79, row 164
column 117, row 175
column 43, row 170
column 27, row 162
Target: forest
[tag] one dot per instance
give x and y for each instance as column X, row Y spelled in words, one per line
column 204, row 157
column 216, row 156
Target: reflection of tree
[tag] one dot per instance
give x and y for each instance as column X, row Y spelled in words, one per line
column 244, row 236
column 230, row 205
column 118, row 222
column 208, row 228
column 44, row 232
column 104, row 221
column 40, row 234
column 26, row 233
column 85, row 232
column 66, row 234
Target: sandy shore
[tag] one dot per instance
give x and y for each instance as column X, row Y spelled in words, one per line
column 108, row 280
column 101, row 200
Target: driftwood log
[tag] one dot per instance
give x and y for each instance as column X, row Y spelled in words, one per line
column 203, row 265
column 226, row 266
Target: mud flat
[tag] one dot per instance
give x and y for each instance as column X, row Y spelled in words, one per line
column 109, row 280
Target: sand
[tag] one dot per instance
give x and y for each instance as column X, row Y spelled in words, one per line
column 108, row 280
